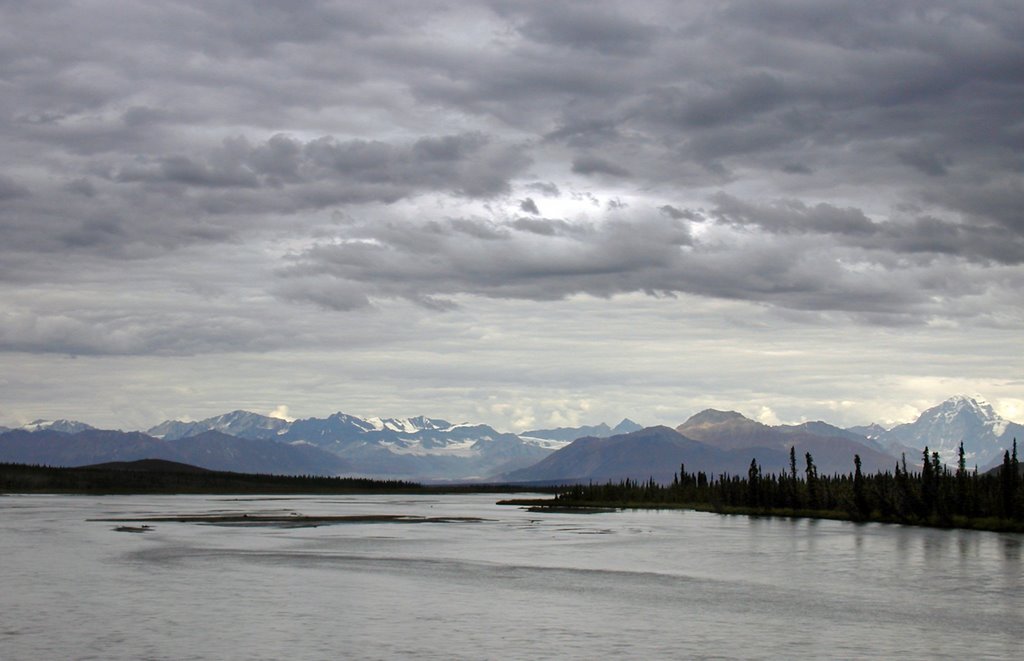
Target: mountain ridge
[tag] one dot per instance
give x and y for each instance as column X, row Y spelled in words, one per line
column 433, row 449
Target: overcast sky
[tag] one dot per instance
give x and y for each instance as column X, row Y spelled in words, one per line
column 520, row 213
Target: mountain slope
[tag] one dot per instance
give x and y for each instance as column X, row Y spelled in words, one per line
column 417, row 448
column 833, row 449
column 568, row 434
column 61, row 425
column 652, row 452
column 243, row 424
column 985, row 434
column 212, row 450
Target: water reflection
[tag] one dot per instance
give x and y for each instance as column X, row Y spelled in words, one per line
column 1011, row 547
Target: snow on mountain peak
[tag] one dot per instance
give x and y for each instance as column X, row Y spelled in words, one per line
column 403, row 425
column 973, row 421
column 61, row 425
column 959, row 404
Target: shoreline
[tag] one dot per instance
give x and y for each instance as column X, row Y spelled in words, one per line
column 989, row 524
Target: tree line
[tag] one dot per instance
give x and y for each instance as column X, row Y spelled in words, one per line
column 934, row 495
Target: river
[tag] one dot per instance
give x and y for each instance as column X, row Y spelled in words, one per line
column 475, row 580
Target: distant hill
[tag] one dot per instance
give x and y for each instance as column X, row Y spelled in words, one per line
column 211, row 450
column 572, row 433
column 997, row 470
column 652, row 452
column 148, row 466
column 832, row 448
column 872, row 431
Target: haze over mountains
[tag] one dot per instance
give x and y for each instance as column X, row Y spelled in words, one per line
column 432, row 449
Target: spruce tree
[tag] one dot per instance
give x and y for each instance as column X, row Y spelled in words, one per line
column 792, row 487
column 812, row 482
column 753, row 484
column 927, row 485
column 1006, row 484
column 961, row 481
column 860, row 500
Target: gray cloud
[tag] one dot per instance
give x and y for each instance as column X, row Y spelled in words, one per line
column 466, row 164
column 538, row 259
column 588, row 165
column 9, row 189
column 184, row 169
column 529, row 206
column 977, row 241
column 544, row 187
column 596, row 30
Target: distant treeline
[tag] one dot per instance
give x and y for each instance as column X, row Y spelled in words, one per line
column 935, row 495
column 159, row 477
column 20, row 478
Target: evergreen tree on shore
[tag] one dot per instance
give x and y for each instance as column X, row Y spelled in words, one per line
column 934, row 496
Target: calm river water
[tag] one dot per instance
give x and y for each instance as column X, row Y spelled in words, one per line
column 515, row 584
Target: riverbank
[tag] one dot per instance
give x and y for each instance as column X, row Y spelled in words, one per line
column 551, row 505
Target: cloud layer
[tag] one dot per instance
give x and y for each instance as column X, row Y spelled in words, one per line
column 208, row 179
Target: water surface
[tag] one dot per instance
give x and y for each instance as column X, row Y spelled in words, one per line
column 469, row 579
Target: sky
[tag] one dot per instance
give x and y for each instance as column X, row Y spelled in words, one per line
column 526, row 214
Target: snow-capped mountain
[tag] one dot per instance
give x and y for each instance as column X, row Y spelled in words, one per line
column 985, row 434
column 61, row 425
column 419, row 448
column 244, row 424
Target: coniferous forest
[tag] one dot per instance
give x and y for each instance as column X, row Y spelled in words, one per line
column 935, row 495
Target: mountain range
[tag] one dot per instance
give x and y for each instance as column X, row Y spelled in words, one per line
column 431, row 449
column 711, row 441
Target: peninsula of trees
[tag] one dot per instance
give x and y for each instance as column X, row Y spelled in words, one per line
column 935, row 495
